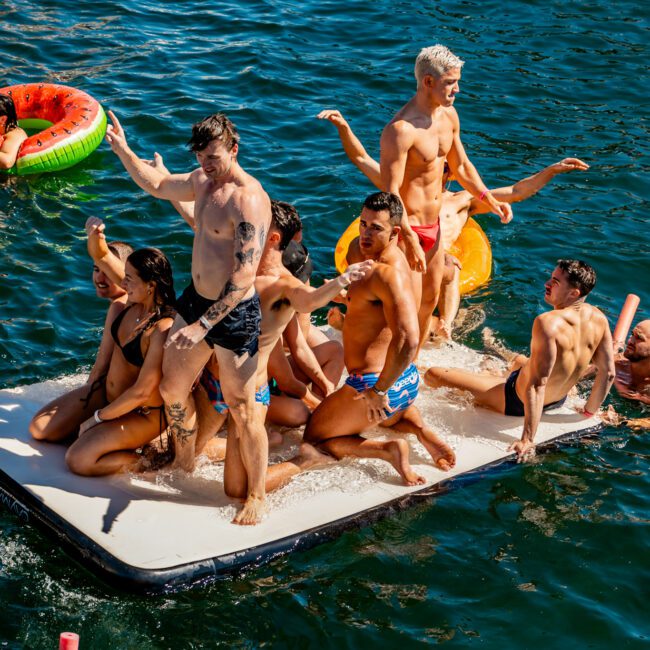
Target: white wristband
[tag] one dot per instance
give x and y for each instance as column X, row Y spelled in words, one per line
column 97, row 418
column 205, row 323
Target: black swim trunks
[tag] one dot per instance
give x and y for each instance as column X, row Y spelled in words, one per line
column 238, row 331
column 514, row 406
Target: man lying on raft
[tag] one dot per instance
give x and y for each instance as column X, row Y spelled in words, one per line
column 281, row 295
column 564, row 342
column 380, row 340
column 122, row 410
column 455, row 209
column 633, row 367
column 219, row 311
column 11, row 135
column 415, row 144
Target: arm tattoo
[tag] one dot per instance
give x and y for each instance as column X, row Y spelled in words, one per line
column 243, row 257
column 245, row 231
column 224, row 304
column 262, row 237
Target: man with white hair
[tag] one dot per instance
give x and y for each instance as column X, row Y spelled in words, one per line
column 414, row 146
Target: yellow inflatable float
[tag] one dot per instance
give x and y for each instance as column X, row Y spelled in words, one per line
column 472, row 248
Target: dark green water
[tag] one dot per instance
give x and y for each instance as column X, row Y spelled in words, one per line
column 549, row 555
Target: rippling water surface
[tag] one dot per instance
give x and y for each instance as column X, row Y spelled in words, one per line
column 545, row 555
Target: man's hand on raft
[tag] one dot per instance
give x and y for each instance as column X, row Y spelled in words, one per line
column 525, row 450
column 115, row 134
column 187, row 337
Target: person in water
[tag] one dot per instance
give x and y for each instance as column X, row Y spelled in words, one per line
column 455, row 209
column 380, row 341
column 415, row 144
column 633, row 366
column 11, row 135
column 123, row 410
column 565, row 341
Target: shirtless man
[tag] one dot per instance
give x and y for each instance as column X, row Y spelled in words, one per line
column 414, row 146
column 633, row 366
column 455, row 209
column 564, row 342
column 219, row 311
column 281, row 296
column 380, row 339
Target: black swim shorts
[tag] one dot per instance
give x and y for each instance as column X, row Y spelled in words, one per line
column 514, row 406
column 238, row 331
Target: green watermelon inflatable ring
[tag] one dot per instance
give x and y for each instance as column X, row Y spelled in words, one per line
column 71, row 125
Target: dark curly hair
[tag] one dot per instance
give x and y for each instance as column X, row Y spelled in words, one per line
column 380, row 201
column 213, row 127
column 8, row 108
column 579, row 275
column 152, row 266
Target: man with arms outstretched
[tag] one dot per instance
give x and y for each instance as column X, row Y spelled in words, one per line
column 564, row 342
column 380, row 339
column 455, row 207
column 219, row 311
column 414, row 146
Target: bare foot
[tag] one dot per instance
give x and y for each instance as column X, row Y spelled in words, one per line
column 252, row 512
column 215, row 449
column 442, row 454
column 153, row 459
column 443, row 330
column 311, row 457
column 399, row 452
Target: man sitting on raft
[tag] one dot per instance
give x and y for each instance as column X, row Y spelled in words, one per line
column 11, row 135
column 455, row 209
column 380, row 340
column 564, row 342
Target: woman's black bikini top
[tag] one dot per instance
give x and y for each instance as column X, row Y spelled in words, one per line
column 131, row 350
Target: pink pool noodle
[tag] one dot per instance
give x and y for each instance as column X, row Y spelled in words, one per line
column 68, row 641
column 625, row 320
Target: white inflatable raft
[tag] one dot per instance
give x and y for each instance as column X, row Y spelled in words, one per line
column 156, row 532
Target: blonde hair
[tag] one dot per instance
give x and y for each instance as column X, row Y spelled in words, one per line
column 435, row 60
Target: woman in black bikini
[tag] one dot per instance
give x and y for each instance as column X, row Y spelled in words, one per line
column 123, row 410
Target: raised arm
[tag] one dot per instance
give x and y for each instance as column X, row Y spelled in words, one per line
column 173, row 187
column 466, row 174
column 100, row 253
column 253, row 214
column 396, row 140
column 353, row 148
column 543, row 353
column 305, row 299
column 606, row 372
column 527, row 187
column 400, row 312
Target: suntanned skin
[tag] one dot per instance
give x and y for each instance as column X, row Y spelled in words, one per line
column 414, row 146
column 281, row 295
column 455, row 207
column 10, row 143
column 564, row 342
column 109, row 447
column 380, row 335
column 232, row 215
column 633, row 366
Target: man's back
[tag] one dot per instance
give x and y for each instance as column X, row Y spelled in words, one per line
column 575, row 334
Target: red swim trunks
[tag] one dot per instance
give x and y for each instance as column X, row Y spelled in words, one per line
column 428, row 235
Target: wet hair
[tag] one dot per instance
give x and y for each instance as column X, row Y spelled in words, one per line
column 579, row 275
column 121, row 249
column 213, row 127
column 386, row 201
column 152, row 266
column 8, row 108
column 436, row 61
column 286, row 220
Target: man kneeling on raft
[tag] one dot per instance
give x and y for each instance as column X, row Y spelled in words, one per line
column 281, row 296
column 564, row 342
column 380, row 340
